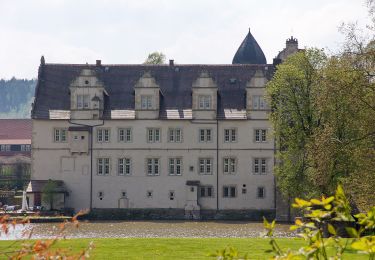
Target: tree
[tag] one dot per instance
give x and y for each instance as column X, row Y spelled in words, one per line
column 324, row 117
column 48, row 193
column 292, row 94
column 155, row 58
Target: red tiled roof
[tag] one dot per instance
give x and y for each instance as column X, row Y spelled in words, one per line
column 11, row 129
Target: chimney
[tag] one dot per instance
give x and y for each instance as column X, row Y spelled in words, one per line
column 98, row 63
column 171, row 62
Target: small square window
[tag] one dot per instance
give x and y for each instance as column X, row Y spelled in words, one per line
column 149, row 194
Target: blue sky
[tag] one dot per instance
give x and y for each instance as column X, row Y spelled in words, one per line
column 193, row 31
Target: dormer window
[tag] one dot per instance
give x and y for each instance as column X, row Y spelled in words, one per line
column 204, row 102
column 146, row 102
column 83, row 101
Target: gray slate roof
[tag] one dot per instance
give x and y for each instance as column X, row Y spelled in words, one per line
column 249, row 52
column 52, row 97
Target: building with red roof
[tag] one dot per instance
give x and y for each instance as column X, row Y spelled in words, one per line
column 15, row 138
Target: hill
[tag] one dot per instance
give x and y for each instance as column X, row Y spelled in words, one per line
column 16, row 96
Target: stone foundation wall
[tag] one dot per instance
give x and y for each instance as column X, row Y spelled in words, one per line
column 178, row 214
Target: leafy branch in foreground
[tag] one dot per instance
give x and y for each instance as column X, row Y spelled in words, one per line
column 40, row 249
column 327, row 215
column 323, row 223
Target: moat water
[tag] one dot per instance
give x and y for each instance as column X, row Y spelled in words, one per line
column 148, row 229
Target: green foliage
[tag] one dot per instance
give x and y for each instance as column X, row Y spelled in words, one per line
column 292, row 94
column 323, row 115
column 16, row 96
column 48, row 193
column 155, row 58
column 228, row 253
column 14, row 176
column 320, row 216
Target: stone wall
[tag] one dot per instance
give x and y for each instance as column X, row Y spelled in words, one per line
column 177, row 214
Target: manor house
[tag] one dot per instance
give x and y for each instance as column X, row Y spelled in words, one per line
column 171, row 140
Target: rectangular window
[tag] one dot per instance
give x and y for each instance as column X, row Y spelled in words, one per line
column 124, row 166
column 153, row 135
column 260, row 165
column 83, row 101
column 205, row 166
column 259, row 103
column 260, row 135
column 229, row 191
column 125, row 135
column 230, row 135
column 146, row 102
column 171, row 195
column 230, row 165
column 5, row 147
column 175, row 135
column 153, row 166
column 175, row 166
column 261, row 192
column 60, row 135
column 103, row 135
column 206, row 191
column 205, row 135
column 204, row 102
column 103, row 167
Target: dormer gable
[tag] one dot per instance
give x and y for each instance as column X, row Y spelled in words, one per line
column 87, row 96
column 204, row 103
column 147, row 97
column 256, row 105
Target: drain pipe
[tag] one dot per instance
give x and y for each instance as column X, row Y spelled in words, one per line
column 217, row 164
column 91, row 132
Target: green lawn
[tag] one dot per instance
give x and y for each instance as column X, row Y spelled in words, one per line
column 174, row 248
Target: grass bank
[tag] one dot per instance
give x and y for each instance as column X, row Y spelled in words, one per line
column 174, row 248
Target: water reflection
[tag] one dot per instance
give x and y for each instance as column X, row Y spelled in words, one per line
column 145, row 229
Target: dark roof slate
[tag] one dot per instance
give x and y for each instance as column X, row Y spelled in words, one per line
column 249, row 52
column 52, row 91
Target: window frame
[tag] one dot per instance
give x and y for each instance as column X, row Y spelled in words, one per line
column 263, row 192
column 207, row 135
column 153, row 131
column 231, row 164
column 172, row 132
column 84, row 103
column 230, row 133
column 60, row 134
column 102, row 164
column 229, row 194
column 105, row 138
column 172, row 163
column 260, row 135
column 146, row 102
column 126, row 165
column 206, row 188
column 124, row 138
column 153, row 166
column 259, row 102
column 260, row 165
column 205, row 165
column 204, row 102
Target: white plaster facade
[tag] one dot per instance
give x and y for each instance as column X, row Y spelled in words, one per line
column 75, row 161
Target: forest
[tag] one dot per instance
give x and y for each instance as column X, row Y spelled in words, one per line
column 16, row 97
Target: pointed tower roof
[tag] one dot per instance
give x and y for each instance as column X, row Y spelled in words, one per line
column 249, row 52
